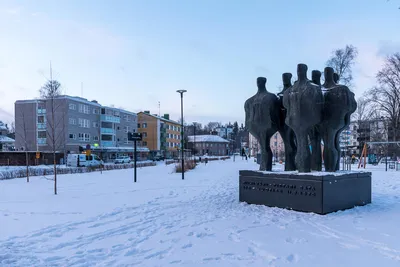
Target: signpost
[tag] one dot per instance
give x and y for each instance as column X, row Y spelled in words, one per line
column 134, row 137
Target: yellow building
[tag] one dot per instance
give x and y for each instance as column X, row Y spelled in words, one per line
column 160, row 134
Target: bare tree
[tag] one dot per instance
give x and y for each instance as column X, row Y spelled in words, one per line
column 211, row 126
column 21, row 120
column 342, row 61
column 363, row 110
column 385, row 97
column 49, row 92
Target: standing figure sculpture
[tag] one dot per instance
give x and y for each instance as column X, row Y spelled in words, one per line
column 352, row 109
column 339, row 103
column 303, row 102
column 315, row 134
column 287, row 134
column 262, row 120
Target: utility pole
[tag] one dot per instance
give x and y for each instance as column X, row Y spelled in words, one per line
column 182, row 132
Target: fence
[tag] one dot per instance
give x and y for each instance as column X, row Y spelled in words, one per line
column 172, row 161
column 18, row 158
column 13, row 172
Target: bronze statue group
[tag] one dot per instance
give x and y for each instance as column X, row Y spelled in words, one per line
column 304, row 113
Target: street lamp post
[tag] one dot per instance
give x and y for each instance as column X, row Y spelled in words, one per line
column 194, row 143
column 182, row 159
column 384, row 119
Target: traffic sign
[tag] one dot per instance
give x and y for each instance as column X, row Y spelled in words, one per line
column 134, row 136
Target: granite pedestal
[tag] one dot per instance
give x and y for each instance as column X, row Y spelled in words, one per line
column 320, row 193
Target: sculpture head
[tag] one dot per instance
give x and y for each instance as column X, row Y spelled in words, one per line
column 329, row 81
column 335, row 77
column 261, row 81
column 328, row 73
column 287, row 80
column 302, row 72
column 316, row 77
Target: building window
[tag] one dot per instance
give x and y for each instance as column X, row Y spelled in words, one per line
column 95, row 124
column 144, row 143
column 42, row 134
column 72, row 121
column 138, row 125
column 144, row 134
column 144, row 125
column 72, row 106
column 126, row 129
column 84, row 123
column 126, row 141
column 95, row 138
column 84, row 137
column 40, row 119
column 72, row 136
column 84, row 109
column 96, row 111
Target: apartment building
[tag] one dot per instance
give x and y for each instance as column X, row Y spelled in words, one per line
column 160, row 134
column 77, row 123
column 225, row 131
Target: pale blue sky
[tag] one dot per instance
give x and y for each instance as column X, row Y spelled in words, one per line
column 135, row 53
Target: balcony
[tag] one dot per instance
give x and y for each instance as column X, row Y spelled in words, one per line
column 107, row 131
column 107, row 143
column 41, row 141
column 109, row 118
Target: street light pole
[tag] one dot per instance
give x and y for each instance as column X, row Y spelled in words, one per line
column 182, row 159
column 194, row 143
column 384, row 119
column 387, row 144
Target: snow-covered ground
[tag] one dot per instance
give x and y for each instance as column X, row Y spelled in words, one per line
column 107, row 220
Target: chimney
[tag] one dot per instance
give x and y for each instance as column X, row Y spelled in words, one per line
column 95, row 101
column 166, row 116
column 147, row 112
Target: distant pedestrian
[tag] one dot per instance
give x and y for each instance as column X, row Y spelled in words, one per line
column 205, row 161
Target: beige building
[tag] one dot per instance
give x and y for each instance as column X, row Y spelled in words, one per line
column 160, row 134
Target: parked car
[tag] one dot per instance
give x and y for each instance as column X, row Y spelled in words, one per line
column 81, row 160
column 124, row 159
column 158, row 158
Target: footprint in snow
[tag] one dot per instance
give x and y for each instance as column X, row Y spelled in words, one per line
column 292, row 258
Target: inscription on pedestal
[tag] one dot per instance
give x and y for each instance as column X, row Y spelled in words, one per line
column 319, row 194
column 282, row 188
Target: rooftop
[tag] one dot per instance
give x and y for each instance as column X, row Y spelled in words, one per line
column 158, row 117
column 206, row 138
column 78, row 99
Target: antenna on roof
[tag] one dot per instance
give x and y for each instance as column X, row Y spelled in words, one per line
column 159, row 111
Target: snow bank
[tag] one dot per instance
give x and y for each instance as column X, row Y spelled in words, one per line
column 43, row 170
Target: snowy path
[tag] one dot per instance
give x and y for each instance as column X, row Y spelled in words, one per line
column 107, row 220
